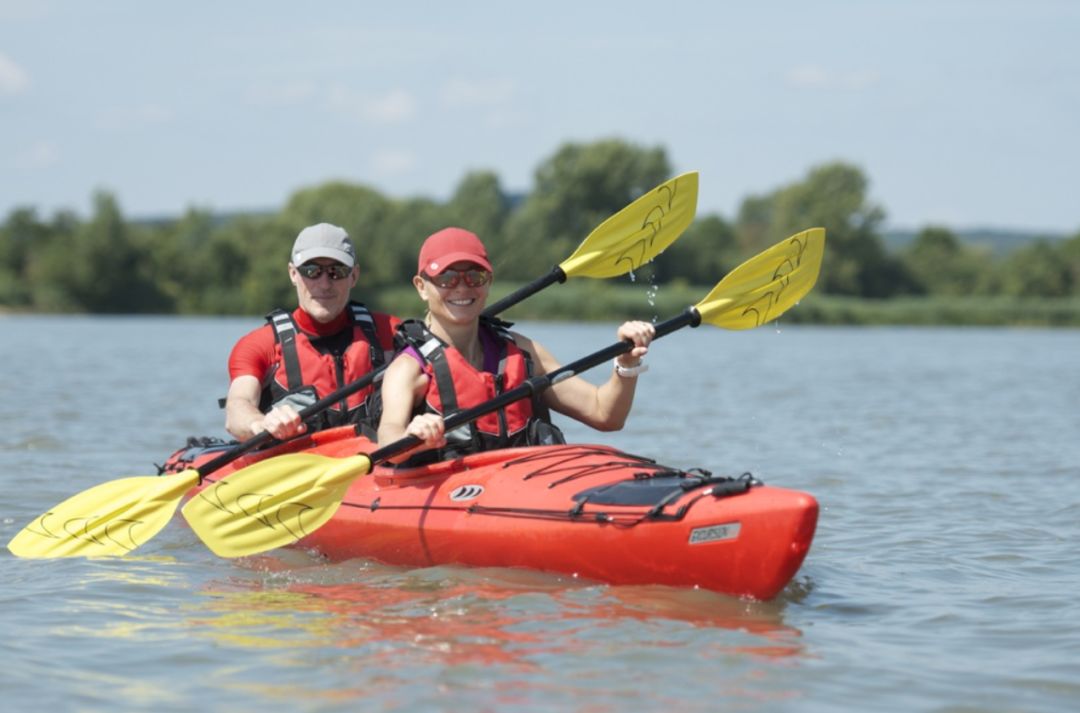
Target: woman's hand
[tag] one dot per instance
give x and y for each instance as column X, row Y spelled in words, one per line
column 429, row 428
column 641, row 334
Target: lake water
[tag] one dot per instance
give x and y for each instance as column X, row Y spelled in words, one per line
column 943, row 576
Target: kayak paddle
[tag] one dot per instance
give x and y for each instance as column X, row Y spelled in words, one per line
column 280, row 500
column 625, row 241
column 117, row 516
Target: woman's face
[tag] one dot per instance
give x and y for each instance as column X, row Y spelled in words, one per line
column 461, row 300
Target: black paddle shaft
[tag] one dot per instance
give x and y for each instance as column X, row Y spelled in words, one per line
column 556, row 275
column 266, row 437
column 689, row 317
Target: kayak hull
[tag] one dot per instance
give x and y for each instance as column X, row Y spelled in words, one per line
column 587, row 511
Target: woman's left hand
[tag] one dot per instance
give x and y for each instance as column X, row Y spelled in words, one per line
column 641, row 334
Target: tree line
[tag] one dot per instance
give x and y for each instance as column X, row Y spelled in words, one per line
column 203, row 263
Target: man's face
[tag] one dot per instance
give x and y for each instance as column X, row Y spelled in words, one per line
column 320, row 295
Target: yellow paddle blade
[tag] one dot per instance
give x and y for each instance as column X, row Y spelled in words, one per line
column 110, row 519
column 637, row 233
column 766, row 285
column 273, row 503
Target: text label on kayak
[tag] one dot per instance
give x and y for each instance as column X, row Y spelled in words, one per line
column 715, row 533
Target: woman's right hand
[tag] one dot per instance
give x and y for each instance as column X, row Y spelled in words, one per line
column 641, row 334
column 429, row 428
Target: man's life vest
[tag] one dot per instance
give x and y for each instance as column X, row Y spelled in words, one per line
column 307, row 369
column 455, row 385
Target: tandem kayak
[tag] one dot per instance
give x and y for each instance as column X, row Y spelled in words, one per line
column 583, row 510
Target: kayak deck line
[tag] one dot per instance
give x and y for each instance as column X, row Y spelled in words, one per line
column 654, row 487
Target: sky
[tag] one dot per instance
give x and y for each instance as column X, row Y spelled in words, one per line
column 961, row 113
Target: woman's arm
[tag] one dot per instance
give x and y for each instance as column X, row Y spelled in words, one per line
column 606, row 407
column 403, row 387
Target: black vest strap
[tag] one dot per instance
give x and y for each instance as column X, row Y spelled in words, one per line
column 468, row 439
column 285, row 332
column 362, row 318
column 433, row 350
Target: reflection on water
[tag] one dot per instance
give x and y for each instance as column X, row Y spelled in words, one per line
column 941, row 578
column 458, row 616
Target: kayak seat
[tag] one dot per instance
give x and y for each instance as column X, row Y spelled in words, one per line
column 662, row 487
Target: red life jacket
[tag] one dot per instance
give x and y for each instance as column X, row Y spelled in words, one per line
column 455, row 385
column 303, row 373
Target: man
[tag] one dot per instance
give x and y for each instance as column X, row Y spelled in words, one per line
column 326, row 343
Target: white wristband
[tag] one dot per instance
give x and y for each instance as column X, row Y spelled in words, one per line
column 628, row 371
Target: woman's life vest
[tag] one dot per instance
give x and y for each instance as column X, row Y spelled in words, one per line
column 454, row 385
column 308, row 368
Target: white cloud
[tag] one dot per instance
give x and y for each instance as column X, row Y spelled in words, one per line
column 390, row 162
column 41, row 154
column 815, row 77
column 12, row 77
column 477, row 93
column 808, row 76
column 394, row 107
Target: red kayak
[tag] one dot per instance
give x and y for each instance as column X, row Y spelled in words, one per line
column 583, row 510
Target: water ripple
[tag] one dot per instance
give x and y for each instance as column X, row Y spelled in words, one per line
column 942, row 576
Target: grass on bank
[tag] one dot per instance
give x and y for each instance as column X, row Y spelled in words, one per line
column 597, row 300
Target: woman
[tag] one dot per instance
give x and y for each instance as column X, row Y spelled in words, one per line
column 456, row 359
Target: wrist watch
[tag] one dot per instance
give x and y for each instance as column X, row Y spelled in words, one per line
column 627, row 372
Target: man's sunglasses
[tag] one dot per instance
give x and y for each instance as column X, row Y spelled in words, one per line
column 313, row 271
column 449, row 279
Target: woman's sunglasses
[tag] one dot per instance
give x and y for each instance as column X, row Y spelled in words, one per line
column 449, row 279
column 313, row 271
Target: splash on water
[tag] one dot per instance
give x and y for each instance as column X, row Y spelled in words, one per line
column 651, row 294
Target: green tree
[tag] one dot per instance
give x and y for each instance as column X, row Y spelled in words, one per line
column 576, row 190
column 262, row 244
column 1070, row 256
column 20, row 234
column 366, row 214
column 94, row 266
column 47, row 265
column 1035, row 270
column 833, row 196
column 201, row 265
column 705, row 253
column 409, row 224
column 942, row 265
column 480, row 205
column 105, row 270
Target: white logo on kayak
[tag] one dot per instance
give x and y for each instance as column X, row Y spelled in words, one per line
column 466, row 492
column 715, row 533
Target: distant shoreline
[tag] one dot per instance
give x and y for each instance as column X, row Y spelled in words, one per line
column 593, row 301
